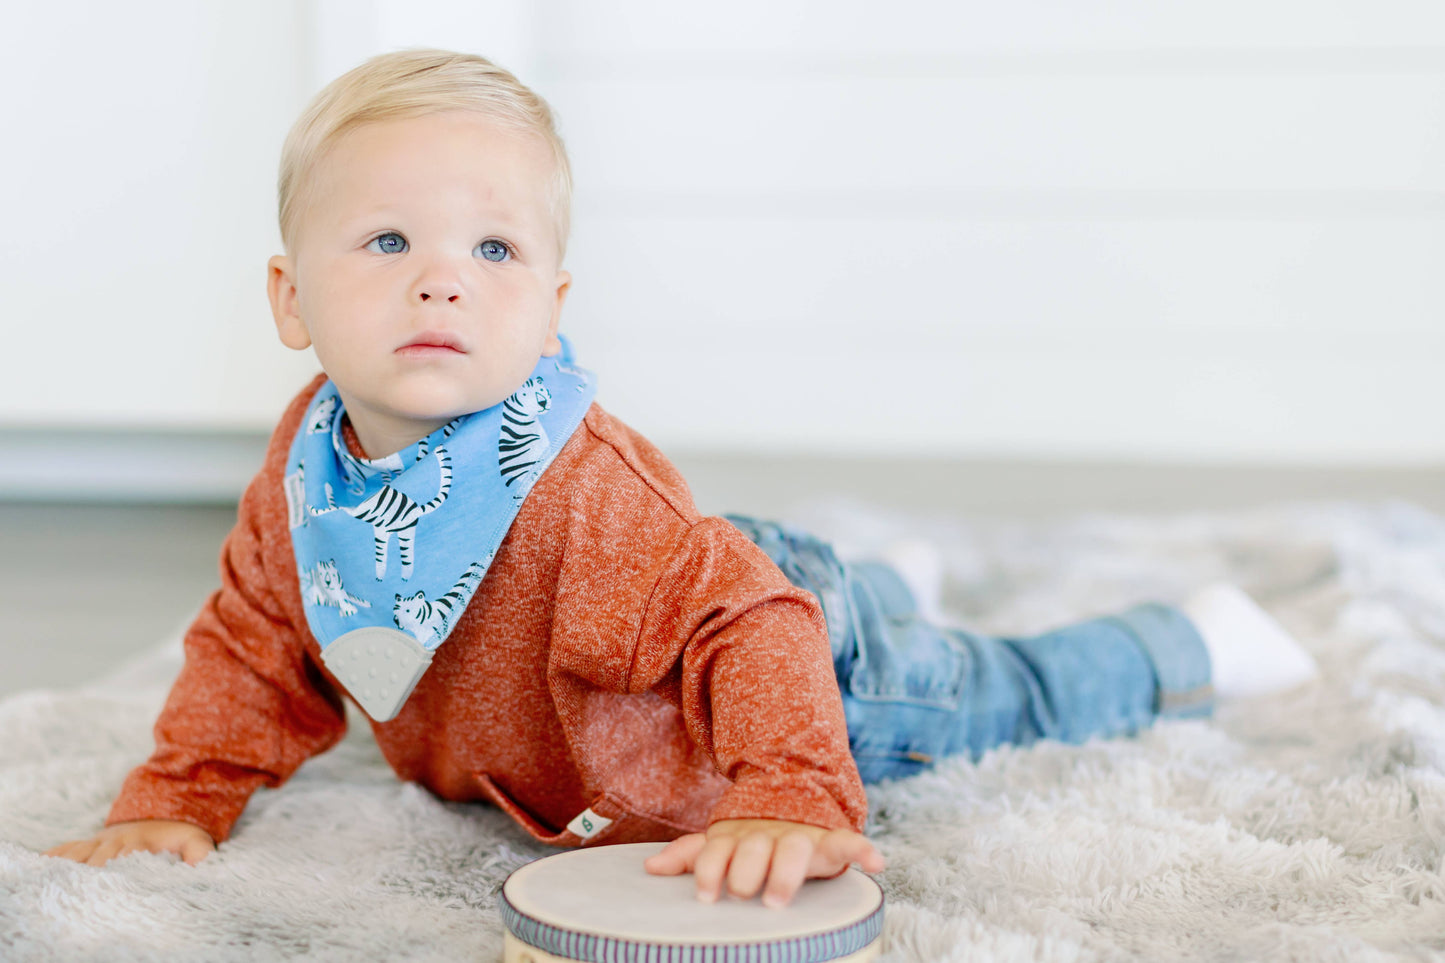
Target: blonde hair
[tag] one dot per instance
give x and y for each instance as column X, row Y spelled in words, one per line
column 411, row 83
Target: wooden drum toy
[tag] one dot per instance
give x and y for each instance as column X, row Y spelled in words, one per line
column 599, row 905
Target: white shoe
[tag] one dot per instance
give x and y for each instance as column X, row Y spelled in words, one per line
column 1250, row 653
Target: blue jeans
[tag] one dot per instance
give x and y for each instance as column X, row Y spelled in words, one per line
column 914, row 692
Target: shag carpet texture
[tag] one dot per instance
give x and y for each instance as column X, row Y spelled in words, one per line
column 1304, row 827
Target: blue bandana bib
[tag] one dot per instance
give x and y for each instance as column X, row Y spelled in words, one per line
column 390, row 550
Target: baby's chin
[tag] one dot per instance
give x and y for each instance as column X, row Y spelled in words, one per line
column 440, row 404
column 420, row 398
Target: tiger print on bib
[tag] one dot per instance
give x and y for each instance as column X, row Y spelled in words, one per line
column 401, row 543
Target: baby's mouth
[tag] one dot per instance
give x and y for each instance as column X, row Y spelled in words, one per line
column 432, row 342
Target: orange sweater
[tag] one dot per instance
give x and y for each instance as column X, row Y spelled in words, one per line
column 624, row 654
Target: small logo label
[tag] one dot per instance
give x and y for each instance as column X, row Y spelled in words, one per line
column 588, row 824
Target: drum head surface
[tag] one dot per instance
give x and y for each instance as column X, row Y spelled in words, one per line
column 600, row 904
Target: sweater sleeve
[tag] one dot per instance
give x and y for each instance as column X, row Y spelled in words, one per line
column 745, row 654
column 249, row 706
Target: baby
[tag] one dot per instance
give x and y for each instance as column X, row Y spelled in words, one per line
column 517, row 588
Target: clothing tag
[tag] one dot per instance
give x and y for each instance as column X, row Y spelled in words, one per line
column 398, row 545
column 588, row 824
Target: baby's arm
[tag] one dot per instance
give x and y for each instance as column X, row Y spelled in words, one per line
column 191, row 843
column 248, row 708
column 769, row 854
column 759, row 695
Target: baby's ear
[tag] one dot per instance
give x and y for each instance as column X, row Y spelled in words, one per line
column 552, row 346
column 285, row 306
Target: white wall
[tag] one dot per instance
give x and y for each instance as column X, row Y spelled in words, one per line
column 137, row 191
column 1133, row 229
column 1121, row 229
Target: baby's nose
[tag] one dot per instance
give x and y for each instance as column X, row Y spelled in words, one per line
column 438, row 283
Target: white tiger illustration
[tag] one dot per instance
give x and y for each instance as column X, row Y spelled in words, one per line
column 321, row 585
column 391, row 512
column 322, row 417
column 429, row 621
column 358, row 470
column 523, row 443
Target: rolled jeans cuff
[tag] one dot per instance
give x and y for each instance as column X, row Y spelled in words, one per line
column 1180, row 660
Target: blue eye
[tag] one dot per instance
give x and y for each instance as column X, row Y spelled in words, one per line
column 388, row 243
column 494, row 250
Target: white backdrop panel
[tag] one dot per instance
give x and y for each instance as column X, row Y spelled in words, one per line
column 832, row 133
column 1041, row 228
column 827, row 27
column 1127, row 285
column 139, row 210
column 897, row 400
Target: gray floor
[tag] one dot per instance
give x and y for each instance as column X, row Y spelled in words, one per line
column 84, row 587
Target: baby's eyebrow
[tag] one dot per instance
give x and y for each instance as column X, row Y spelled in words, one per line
column 385, row 217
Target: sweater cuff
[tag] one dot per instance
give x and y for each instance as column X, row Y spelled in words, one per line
column 788, row 798
column 145, row 796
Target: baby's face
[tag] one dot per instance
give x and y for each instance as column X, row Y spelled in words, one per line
column 425, row 272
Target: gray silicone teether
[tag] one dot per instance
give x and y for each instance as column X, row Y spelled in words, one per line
column 378, row 666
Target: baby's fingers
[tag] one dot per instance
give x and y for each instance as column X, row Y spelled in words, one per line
column 712, row 866
column 676, row 857
column 78, row 850
column 750, row 863
column 194, row 850
column 105, row 852
column 790, row 867
column 840, row 848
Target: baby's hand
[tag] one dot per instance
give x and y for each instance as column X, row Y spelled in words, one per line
column 749, row 852
column 191, row 843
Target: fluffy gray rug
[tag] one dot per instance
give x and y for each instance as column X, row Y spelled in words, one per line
column 1309, row 827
